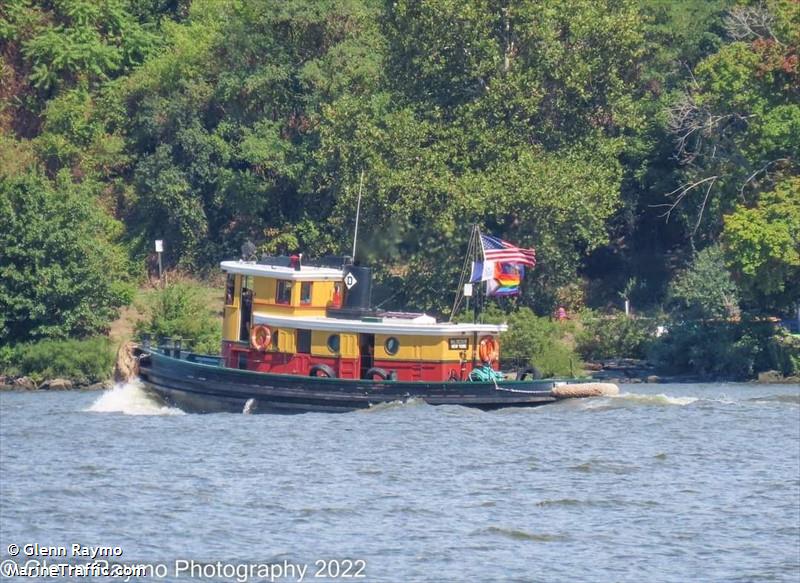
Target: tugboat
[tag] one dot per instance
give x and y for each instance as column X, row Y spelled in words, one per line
column 303, row 337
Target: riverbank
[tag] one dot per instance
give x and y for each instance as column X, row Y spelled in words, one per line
column 25, row 383
column 634, row 371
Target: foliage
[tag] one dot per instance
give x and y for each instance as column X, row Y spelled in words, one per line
column 614, row 337
column 90, row 360
column 62, row 273
column 737, row 125
column 785, row 350
column 56, row 46
column 705, row 290
column 558, row 125
column 729, row 350
column 533, row 340
column 181, row 311
column 762, row 246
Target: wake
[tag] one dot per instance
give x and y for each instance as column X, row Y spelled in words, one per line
column 130, row 398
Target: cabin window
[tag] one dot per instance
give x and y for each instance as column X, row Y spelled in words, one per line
column 274, row 341
column 304, row 341
column 284, row 293
column 305, row 292
column 392, row 345
column 230, row 286
column 333, row 343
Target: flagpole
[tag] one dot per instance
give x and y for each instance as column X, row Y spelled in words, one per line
column 476, row 309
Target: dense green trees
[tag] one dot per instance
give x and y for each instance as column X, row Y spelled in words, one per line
column 622, row 139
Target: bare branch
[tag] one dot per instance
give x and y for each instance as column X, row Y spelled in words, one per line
column 703, row 206
column 691, row 123
column 682, row 191
column 750, row 23
column 759, row 171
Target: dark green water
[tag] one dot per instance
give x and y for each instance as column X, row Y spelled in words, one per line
column 664, row 483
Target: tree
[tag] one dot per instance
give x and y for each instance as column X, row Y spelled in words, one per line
column 762, row 247
column 62, row 272
column 223, row 126
column 705, row 290
column 737, row 125
column 494, row 113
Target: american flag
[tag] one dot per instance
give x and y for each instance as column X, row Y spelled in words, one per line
column 495, row 249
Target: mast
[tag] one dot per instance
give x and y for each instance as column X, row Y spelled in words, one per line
column 358, row 212
column 472, row 253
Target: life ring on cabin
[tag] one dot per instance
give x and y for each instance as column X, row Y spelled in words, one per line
column 260, row 337
column 375, row 371
column 531, row 371
column 321, row 370
column 488, row 349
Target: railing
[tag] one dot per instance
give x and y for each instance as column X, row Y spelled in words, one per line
column 173, row 347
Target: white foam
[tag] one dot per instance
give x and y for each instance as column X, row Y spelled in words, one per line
column 249, row 407
column 659, row 399
column 388, row 405
column 131, row 399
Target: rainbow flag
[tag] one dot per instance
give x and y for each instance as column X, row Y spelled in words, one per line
column 507, row 279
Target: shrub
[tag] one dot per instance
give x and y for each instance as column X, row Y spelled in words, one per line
column 532, row 340
column 180, row 311
column 614, row 337
column 90, row 360
column 736, row 350
column 786, row 349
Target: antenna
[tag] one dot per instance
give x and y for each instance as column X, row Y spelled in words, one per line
column 358, row 212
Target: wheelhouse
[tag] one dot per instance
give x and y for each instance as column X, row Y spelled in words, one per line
column 288, row 318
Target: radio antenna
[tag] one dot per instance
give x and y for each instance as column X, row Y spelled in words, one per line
column 358, row 212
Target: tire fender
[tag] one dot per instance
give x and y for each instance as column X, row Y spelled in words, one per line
column 376, row 372
column 322, row 370
column 531, row 371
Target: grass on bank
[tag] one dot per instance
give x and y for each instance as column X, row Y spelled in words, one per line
column 186, row 308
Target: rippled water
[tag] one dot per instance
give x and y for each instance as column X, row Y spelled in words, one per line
column 663, row 483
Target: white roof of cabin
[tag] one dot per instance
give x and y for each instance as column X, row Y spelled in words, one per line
column 422, row 326
column 305, row 273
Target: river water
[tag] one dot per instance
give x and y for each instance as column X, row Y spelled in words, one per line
column 663, row 483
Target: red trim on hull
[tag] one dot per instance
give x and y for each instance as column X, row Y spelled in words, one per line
column 240, row 355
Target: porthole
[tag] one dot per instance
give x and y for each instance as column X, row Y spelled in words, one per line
column 333, row 343
column 392, row 345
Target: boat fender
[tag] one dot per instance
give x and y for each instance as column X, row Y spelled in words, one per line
column 392, row 375
column 376, row 372
column 488, row 349
column 260, row 337
column 531, row 371
column 322, row 370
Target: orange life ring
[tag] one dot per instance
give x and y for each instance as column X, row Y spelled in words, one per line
column 260, row 337
column 488, row 349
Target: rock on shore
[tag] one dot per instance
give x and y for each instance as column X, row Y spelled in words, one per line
column 58, row 384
